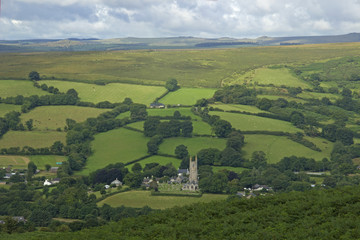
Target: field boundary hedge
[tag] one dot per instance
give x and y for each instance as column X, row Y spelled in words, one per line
column 198, row 195
column 137, row 160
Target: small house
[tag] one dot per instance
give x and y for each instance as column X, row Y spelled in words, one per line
column 157, row 105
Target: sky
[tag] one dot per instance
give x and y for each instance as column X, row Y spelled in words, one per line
column 60, row 19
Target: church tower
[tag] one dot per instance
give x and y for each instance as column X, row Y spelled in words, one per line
column 193, row 178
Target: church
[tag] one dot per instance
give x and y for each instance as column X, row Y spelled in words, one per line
column 192, row 184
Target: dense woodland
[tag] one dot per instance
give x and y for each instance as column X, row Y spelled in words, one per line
column 315, row 214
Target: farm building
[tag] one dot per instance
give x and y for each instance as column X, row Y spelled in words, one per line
column 157, row 105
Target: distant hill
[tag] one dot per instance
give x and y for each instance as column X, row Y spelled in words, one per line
column 130, row 43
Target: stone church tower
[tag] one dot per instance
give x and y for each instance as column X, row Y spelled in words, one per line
column 193, row 178
column 192, row 184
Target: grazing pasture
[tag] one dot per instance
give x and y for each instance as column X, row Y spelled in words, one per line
column 112, row 92
column 13, row 88
column 187, row 96
column 41, row 160
column 237, row 107
column 35, row 139
column 53, row 117
column 254, row 123
column 138, row 199
column 194, row 144
column 277, row 147
column 5, row 108
column 170, row 112
column 119, row 145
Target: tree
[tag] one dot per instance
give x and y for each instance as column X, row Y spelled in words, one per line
column 136, row 168
column 72, row 92
column 231, row 157
column 32, row 167
column 264, row 104
column 133, row 180
column 138, row 111
column 181, row 151
column 222, row 128
column 150, row 126
column 187, row 128
column 153, row 144
column 215, row 183
column 177, row 114
column 345, row 136
column 29, row 124
column 235, row 141
column 297, row 118
column 258, row 159
column 40, row 217
column 171, row 85
column 208, row 156
column 34, row 76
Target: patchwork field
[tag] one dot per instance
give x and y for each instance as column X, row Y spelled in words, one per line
column 158, row 159
column 53, row 117
column 140, row 199
column 187, row 96
column 194, row 144
column 22, row 161
column 13, row 88
column 35, row 139
column 5, row 108
column 112, row 92
column 276, row 147
column 237, row 107
column 278, row 77
column 170, row 112
column 316, row 95
column 119, row 145
column 255, row 123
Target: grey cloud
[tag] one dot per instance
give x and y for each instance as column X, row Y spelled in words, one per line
column 158, row 18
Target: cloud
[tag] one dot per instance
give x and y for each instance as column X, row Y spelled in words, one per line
column 159, row 18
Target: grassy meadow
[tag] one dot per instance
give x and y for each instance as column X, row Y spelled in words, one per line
column 192, row 68
column 53, row 117
column 5, row 108
column 35, row 139
column 277, row 147
column 119, row 145
column 187, row 96
column 112, row 92
column 254, row 123
column 12, row 88
column 194, row 144
column 277, row 77
column 22, row 161
column 237, row 107
column 170, row 112
column 140, row 199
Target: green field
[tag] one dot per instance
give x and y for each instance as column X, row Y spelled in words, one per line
column 192, row 68
column 35, row 139
column 194, row 144
column 140, row 199
column 119, row 145
column 16, row 161
column 187, row 96
column 278, row 77
column 41, row 160
column 237, row 107
column 5, row 108
column 255, row 123
column 276, row 147
column 53, row 117
column 158, row 159
column 112, row 92
column 13, row 88
column 22, row 161
column 170, row 112
column 287, row 98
